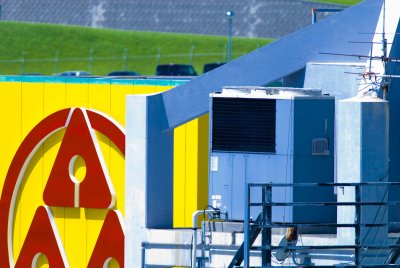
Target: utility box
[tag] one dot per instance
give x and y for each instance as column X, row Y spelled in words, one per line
column 280, row 135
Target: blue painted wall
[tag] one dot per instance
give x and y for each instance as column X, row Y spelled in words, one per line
column 394, row 135
column 313, row 119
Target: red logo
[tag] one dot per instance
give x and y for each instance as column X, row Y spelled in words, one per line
column 64, row 190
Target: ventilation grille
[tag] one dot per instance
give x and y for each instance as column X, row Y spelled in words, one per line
column 320, row 146
column 243, row 125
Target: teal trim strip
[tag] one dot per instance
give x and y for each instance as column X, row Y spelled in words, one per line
column 94, row 80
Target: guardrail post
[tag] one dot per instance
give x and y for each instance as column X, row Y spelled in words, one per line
column 246, row 250
column 357, row 224
column 266, row 221
column 143, row 253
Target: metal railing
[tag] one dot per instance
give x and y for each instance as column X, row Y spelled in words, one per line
column 265, row 225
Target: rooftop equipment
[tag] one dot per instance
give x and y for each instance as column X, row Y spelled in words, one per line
column 280, row 135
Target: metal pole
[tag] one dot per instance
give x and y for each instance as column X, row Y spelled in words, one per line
column 194, row 229
column 194, row 247
column 230, row 15
column 203, row 244
column 225, row 56
column 230, row 40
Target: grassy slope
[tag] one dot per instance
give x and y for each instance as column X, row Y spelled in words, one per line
column 40, row 41
column 340, row 2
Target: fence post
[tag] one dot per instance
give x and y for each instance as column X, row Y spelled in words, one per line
column 23, row 60
column 125, row 58
column 91, row 61
column 225, row 53
column 56, row 61
column 158, row 55
column 192, row 48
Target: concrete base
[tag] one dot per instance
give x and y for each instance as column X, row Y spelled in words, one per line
column 173, row 248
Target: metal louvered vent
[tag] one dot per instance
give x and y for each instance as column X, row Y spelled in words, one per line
column 320, row 146
column 243, row 124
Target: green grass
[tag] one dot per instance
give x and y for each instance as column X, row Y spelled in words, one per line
column 47, row 48
column 340, row 2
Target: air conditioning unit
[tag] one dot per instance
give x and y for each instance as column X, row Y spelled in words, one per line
column 282, row 135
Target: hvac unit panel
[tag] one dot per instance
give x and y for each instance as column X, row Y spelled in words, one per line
column 227, row 182
column 243, row 125
column 271, row 135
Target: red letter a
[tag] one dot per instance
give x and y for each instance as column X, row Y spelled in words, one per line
column 42, row 238
column 62, row 188
column 110, row 243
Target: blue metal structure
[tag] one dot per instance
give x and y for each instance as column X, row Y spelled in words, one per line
column 279, row 59
column 290, row 59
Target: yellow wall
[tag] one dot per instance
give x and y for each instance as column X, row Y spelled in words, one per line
column 190, row 170
column 24, row 104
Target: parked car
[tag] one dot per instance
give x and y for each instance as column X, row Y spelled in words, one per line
column 124, row 73
column 31, row 74
column 211, row 66
column 74, row 73
column 176, row 70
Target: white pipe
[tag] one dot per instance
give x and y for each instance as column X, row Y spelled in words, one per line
column 194, row 228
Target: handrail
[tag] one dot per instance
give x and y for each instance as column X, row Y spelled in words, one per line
column 267, row 204
column 324, row 184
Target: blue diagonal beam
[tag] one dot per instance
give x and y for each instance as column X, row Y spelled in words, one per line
column 279, row 59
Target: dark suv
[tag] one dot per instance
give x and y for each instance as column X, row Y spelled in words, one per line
column 124, row 73
column 175, row 70
column 211, row 66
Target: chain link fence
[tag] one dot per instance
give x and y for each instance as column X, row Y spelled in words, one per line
column 98, row 64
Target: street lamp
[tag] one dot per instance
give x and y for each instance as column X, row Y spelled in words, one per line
column 230, row 15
